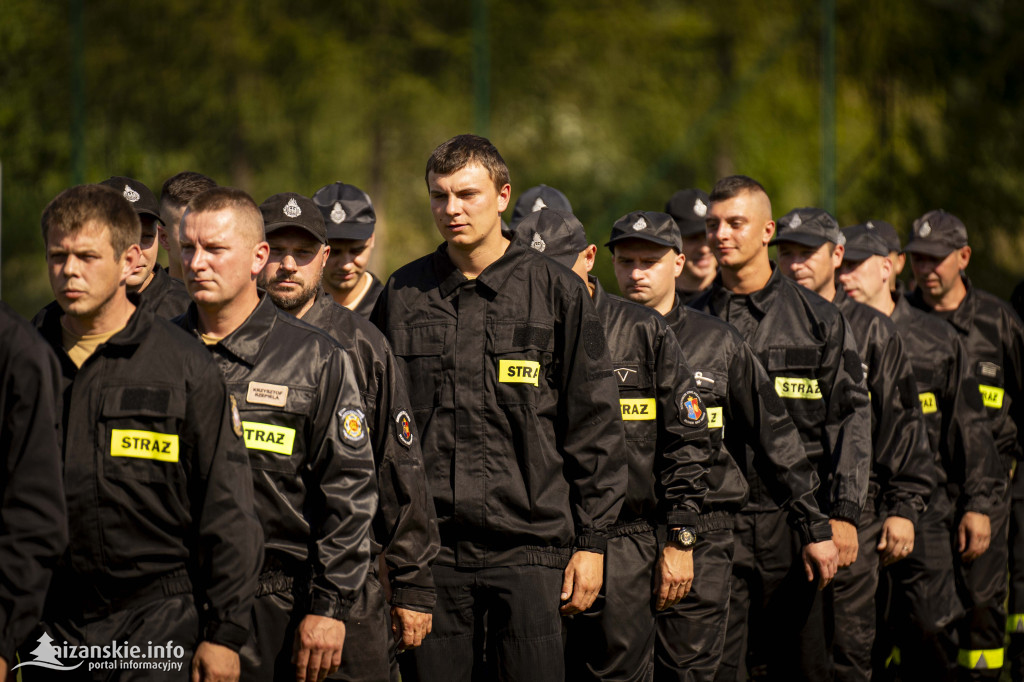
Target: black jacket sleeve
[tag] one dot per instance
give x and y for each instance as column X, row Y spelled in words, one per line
column 33, row 523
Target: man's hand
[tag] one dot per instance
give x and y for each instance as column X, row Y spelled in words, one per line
column 673, row 575
column 583, row 578
column 410, row 627
column 975, row 533
column 821, row 558
column 3, row 668
column 844, row 535
column 897, row 541
column 211, row 663
column 317, row 650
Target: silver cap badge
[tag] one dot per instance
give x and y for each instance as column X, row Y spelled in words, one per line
column 700, row 208
column 338, row 214
column 130, row 194
column 538, row 205
column 291, row 209
column 640, row 224
column 538, row 243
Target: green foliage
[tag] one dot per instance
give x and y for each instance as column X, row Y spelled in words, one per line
column 616, row 104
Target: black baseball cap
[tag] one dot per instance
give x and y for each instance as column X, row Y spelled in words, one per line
column 536, row 198
column 347, row 211
column 688, row 208
column 888, row 234
column 938, row 234
column 864, row 241
column 138, row 195
column 557, row 234
column 650, row 226
column 289, row 209
column 808, row 226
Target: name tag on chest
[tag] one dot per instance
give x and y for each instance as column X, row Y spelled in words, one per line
column 267, row 394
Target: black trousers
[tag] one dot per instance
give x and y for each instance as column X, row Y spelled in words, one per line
column 614, row 639
column 852, row 603
column 981, row 585
column 1015, row 618
column 691, row 634
column 919, row 606
column 369, row 645
column 499, row 623
column 169, row 619
column 775, row 614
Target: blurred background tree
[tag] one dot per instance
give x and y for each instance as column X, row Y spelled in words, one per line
column 616, row 104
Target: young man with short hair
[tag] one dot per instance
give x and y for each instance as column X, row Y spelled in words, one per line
column 177, row 191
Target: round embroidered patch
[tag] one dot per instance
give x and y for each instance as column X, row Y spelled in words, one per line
column 352, row 425
column 691, row 409
column 403, row 428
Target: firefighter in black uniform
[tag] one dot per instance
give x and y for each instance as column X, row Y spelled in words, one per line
column 921, row 600
column 162, row 293
column 810, row 355
column 33, row 521
column 994, row 338
column 404, row 528
column 688, row 208
column 811, row 248
column 511, row 386
column 305, row 432
column 175, row 194
column 159, row 495
column 759, row 436
column 666, row 440
column 536, row 198
column 350, row 221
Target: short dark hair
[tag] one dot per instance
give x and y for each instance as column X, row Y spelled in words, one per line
column 77, row 206
column 180, row 189
column 462, row 150
column 730, row 186
column 225, row 198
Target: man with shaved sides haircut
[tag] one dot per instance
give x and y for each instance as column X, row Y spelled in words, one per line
column 303, row 424
column 811, row 358
column 165, row 543
column 174, row 197
column 511, row 386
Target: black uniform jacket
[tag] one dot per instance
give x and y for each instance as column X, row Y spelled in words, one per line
column 165, row 296
column 993, row 336
column 33, row 522
column 811, row 358
column 404, row 524
column 156, row 478
column 667, row 444
column 751, row 433
column 512, row 389
column 959, row 432
column 311, row 461
column 369, row 299
column 903, row 470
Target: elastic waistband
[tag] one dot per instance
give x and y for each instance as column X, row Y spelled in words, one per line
column 94, row 602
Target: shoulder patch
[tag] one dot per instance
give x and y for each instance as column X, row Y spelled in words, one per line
column 403, row 428
column 593, row 338
column 691, row 410
column 353, row 425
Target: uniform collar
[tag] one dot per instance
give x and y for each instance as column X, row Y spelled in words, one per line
column 323, row 303
column 761, row 299
column 247, row 341
column 132, row 335
column 677, row 314
column 493, row 277
column 962, row 318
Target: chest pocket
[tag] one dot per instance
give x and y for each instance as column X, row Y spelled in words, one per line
column 521, row 356
column 275, row 435
column 793, row 370
column 420, row 350
column 139, row 433
column 990, row 383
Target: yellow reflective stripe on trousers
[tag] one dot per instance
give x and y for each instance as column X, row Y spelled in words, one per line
column 980, row 659
column 1015, row 623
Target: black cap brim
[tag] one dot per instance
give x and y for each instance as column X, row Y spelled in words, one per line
column 858, row 255
column 812, row 240
column 274, row 227
column 642, row 237
column 925, row 248
column 353, row 231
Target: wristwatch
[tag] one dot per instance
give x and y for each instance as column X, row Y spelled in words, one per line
column 684, row 535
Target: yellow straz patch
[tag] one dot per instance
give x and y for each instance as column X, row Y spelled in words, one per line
column 518, row 371
column 799, row 388
column 928, row 403
column 270, row 438
column 992, row 396
column 715, row 418
column 162, row 447
column 638, row 409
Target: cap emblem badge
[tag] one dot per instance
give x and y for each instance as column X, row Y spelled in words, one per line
column 538, row 243
column 795, row 222
column 338, row 214
column 870, row 225
column 700, row 208
column 291, row 209
column 538, row 205
column 130, row 194
column 924, row 230
column 640, row 224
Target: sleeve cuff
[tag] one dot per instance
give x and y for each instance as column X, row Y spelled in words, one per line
column 591, row 541
column 815, row 531
column 413, row 599
column 846, row 510
column 328, row 605
column 681, row 517
column 231, row 635
column 906, row 509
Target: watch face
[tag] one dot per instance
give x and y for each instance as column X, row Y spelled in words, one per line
column 687, row 537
